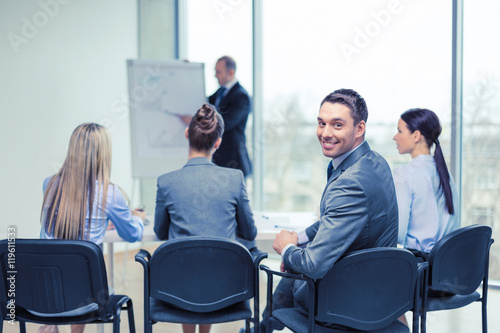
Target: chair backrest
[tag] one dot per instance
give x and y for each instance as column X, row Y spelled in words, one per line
column 368, row 289
column 50, row 277
column 458, row 261
column 201, row 274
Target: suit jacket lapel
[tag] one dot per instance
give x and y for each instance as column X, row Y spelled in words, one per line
column 227, row 95
column 336, row 173
column 346, row 164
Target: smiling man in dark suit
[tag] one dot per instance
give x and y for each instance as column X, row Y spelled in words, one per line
column 233, row 103
column 358, row 209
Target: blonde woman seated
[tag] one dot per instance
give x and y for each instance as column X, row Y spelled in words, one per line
column 80, row 201
column 203, row 199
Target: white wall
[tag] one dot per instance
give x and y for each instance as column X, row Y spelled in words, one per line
column 62, row 63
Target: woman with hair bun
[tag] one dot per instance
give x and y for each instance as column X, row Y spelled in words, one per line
column 203, row 199
column 427, row 196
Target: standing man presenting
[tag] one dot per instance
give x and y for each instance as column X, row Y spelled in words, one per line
column 233, row 103
column 358, row 209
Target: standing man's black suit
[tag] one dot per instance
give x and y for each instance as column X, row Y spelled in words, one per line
column 234, row 107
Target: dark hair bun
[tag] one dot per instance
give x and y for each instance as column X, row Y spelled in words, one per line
column 205, row 128
column 205, row 118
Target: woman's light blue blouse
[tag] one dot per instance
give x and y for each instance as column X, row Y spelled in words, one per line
column 423, row 216
column 128, row 226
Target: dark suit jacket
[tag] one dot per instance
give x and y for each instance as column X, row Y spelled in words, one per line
column 203, row 199
column 234, row 109
column 358, row 211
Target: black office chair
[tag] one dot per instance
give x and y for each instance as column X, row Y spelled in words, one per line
column 458, row 263
column 367, row 290
column 200, row 280
column 57, row 282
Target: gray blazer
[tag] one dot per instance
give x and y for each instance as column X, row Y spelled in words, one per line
column 358, row 211
column 203, row 199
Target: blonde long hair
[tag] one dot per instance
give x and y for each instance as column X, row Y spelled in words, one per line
column 72, row 190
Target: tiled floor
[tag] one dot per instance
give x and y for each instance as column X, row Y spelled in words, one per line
column 128, row 280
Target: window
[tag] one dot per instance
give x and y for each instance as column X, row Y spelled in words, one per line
column 373, row 47
column 482, row 215
column 481, row 121
column 217, row 28
column 388, row 53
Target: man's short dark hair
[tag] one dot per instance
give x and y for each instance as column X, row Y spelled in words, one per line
column 229, row 62
column 352, row 100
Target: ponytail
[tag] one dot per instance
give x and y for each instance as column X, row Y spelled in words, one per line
column 427, row 122
column 444, row 177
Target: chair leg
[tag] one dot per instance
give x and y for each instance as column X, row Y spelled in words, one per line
column 116, row 324
column 22, row 326
column 148, row 324
column 423, row 321
column 415, row 321
column 269, row 307
column 130, row 314
column 484, row 315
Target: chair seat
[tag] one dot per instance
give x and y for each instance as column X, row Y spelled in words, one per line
column 450, row 302
column 162, row 312
column 297, row 321
column 89, row 317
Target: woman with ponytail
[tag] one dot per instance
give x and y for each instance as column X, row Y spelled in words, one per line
column 427, row 196
column 203, row 199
